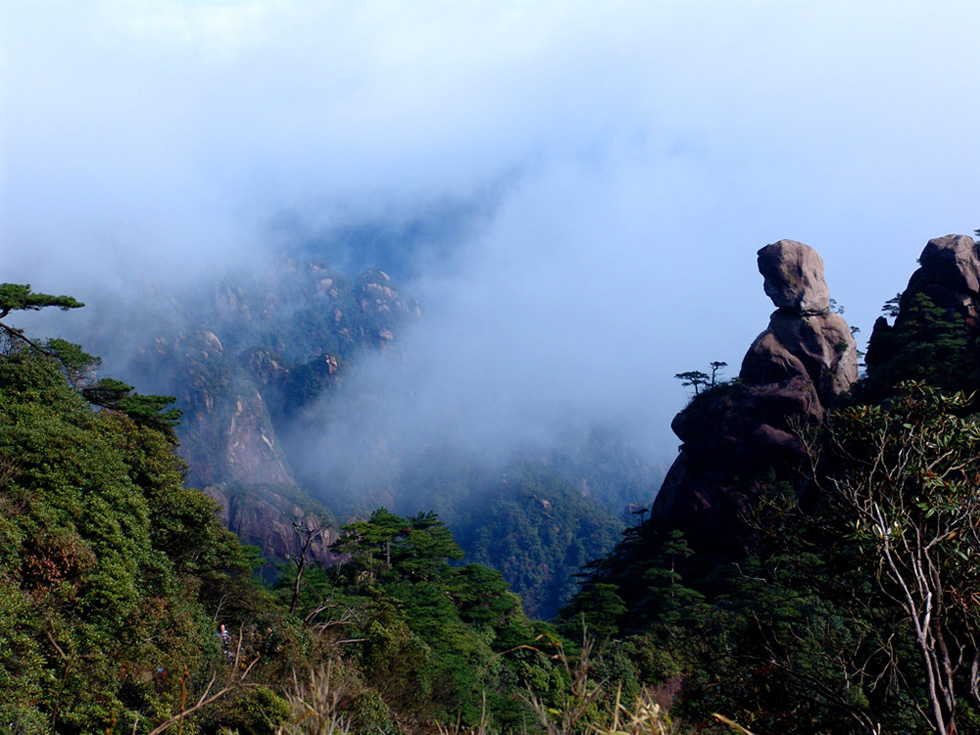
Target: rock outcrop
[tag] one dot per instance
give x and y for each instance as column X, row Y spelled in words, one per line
column 735, row 433
column 381, row 306
column 949, row 274
column 936, row 334
column 263, row 517
column 247, row 361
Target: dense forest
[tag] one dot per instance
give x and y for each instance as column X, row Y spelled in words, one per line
column 850, row 603
column 127, row 607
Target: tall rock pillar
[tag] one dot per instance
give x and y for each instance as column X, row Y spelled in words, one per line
column 737, row 434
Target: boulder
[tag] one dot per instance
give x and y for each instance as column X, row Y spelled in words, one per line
column 950, row 262
column 793, row 274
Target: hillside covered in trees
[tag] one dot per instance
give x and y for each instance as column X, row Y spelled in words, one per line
column 844, row 597
column 116, row 578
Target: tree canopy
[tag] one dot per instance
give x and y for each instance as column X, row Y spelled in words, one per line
column 20, row 297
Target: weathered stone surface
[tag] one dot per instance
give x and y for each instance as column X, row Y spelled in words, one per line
column 231, row 437
column 818, row 348
column 794, row 279
column 735, row 434
column 263, row 517
column 949, row 274
column 951, row 262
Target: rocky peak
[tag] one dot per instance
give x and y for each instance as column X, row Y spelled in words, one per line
column 793, row 274
column 806, row 348
column 949, row 273
column 376, row 295
column 936, row 333
column 736, row 433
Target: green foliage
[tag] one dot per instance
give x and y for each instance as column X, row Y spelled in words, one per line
column 694, row 379
column 856, row 614
column 77, row 363
column 110, row 569
column 539, row 531
column 147, row 409
column 113, row 576
column 432, row 639
column 927, row 343
column 905, row 475
column 598, row 608
column 19, row 297
column 699, row 380
column 150, row 409
column 253, row 711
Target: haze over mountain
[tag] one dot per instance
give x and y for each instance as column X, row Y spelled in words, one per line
column 561, row 202
column 573, row 192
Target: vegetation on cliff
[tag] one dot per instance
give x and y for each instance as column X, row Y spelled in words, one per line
column 115, row 578
column 853, row 609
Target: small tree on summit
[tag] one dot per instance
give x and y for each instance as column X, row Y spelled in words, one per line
column 694, row 378
column 716, row 367
column 699, row 380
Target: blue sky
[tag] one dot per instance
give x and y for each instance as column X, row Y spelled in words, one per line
column 600, row 175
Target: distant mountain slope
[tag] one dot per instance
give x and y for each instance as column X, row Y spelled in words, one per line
column 257, row 366
column 243, row 359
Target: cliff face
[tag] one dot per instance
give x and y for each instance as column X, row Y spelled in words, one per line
column 735, row 433
column 245, row 361
column 273, row 521
column 226, row 433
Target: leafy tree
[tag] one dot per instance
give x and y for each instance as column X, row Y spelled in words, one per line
column 716, row 367
column 430, row 637
column 366, row 540
column 907, row 476
column 892, row 307
column 19, row 297
column 598, row 609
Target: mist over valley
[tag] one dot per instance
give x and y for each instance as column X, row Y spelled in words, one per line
column 530, row 359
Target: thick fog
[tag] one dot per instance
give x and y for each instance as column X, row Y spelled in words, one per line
column 575, row 192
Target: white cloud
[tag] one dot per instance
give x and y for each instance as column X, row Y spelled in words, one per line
column 635, row 155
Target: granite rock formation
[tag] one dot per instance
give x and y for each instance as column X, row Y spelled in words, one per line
column 269, row 519
column 736, row 433
column 226, row 432
column 949, row 273
column 936, row 334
